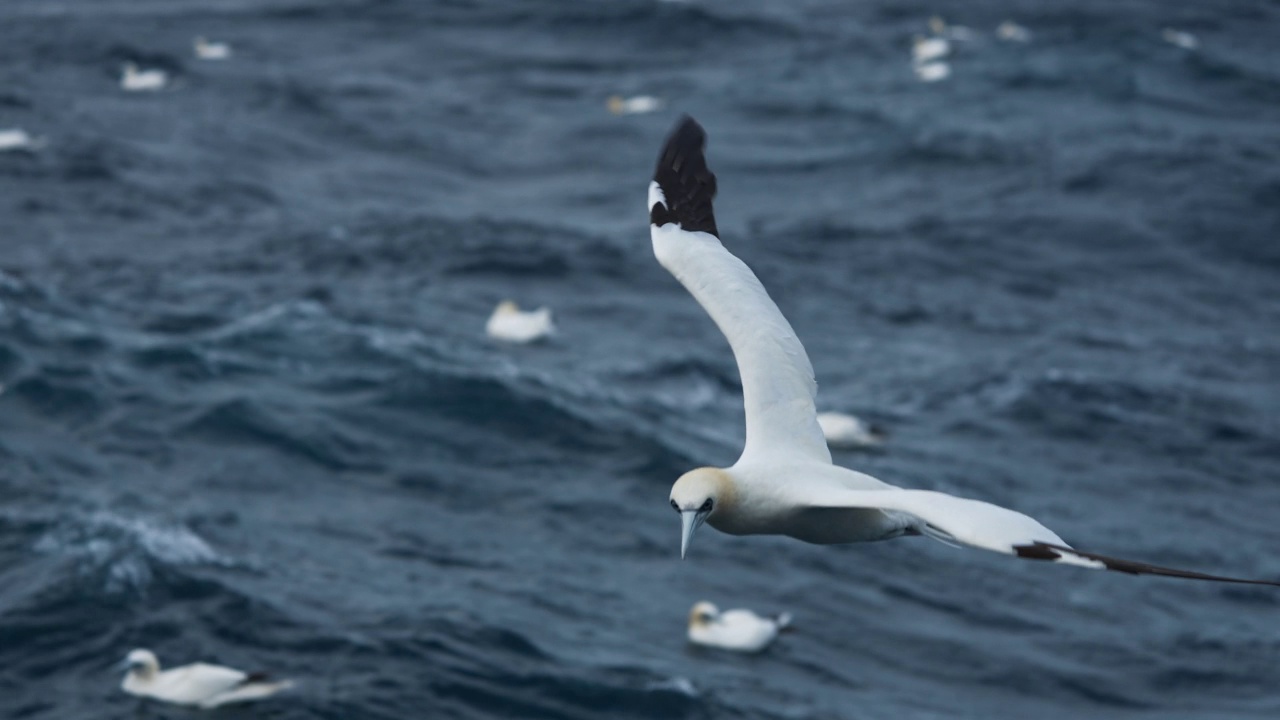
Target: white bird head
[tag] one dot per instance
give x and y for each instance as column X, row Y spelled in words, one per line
column 702, row 614
column 142, row 662
column 696, row 496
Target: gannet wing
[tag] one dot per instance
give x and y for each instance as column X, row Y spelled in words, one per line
column 778, row 387
column 957, row 520
column 197, row 682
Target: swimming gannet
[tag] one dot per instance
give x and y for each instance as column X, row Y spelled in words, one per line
column 206, row 50
column 619, row 105
column 135, row 80
column 844, row 431
column 15, row 139
column 739, row 630
column 198, row 684
column 508, row 322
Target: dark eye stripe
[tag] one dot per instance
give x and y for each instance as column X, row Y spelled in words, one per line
column 706, row 506
column 674, row 506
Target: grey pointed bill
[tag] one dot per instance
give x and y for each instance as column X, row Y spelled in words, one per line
column 690, row 521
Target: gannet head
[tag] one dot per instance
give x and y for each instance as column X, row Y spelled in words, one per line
column 142, row 664
column 696, row 496
column 507, row 307
column 703, row 614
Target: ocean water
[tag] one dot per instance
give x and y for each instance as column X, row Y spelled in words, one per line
column 249, row 415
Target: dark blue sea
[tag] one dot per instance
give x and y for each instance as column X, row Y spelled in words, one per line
column 250, row 415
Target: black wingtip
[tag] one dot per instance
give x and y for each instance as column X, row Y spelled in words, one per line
column 687, row 184
column 1049, row 551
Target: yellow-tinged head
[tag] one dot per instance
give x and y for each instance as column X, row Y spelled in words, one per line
column 696, row 496
column 142, row 663
column 703, row 614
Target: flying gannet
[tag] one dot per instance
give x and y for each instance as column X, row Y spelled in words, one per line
column 784, row 482
column 198, row 684
column 737, row 630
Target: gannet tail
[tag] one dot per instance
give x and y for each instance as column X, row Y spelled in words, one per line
column 254, row 687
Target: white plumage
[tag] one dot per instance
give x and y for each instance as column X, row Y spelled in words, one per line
column 784, row 482
column 198, row 684
column 1011, row 31
column 932, row 72
column 135, row 80
column 13, row 139
column 206, row 50
column 844, row 431
column 1181, row 38
column 637, row 105
column 928, row 49
column 737, row 630
column 511, row 324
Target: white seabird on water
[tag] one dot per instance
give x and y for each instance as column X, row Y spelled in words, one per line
column 637, row 105
column 928, row 49
column 932, row 71
column 739, row 630
column 135, row 80
column 199, row 684
column 1181, row 38
column 508, row 322
column 206, row 50
column 845, row 432
column 784, row 482
column 16, row 139
column 1011, row 31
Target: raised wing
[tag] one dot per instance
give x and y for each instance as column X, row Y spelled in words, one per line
column 978, row 524
column 777, row 379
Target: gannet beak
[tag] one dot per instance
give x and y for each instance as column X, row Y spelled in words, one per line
column 690, row 520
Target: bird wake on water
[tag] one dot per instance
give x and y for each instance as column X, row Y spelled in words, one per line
column 784, row 483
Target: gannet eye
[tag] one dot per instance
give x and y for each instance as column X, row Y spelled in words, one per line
column 706, row 506
column 674, row 506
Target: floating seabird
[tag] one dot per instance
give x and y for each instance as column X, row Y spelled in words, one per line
column 1011, row 31
column 619, row 105
column 508, row 322
column 784, row 482
column 928, row 49
column 206, row 50
column 135, row 80
column 740, row 630
column 1181, row 38
column 844, row 431
column 17, row 139
column 932, row 71
column 199, row 684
